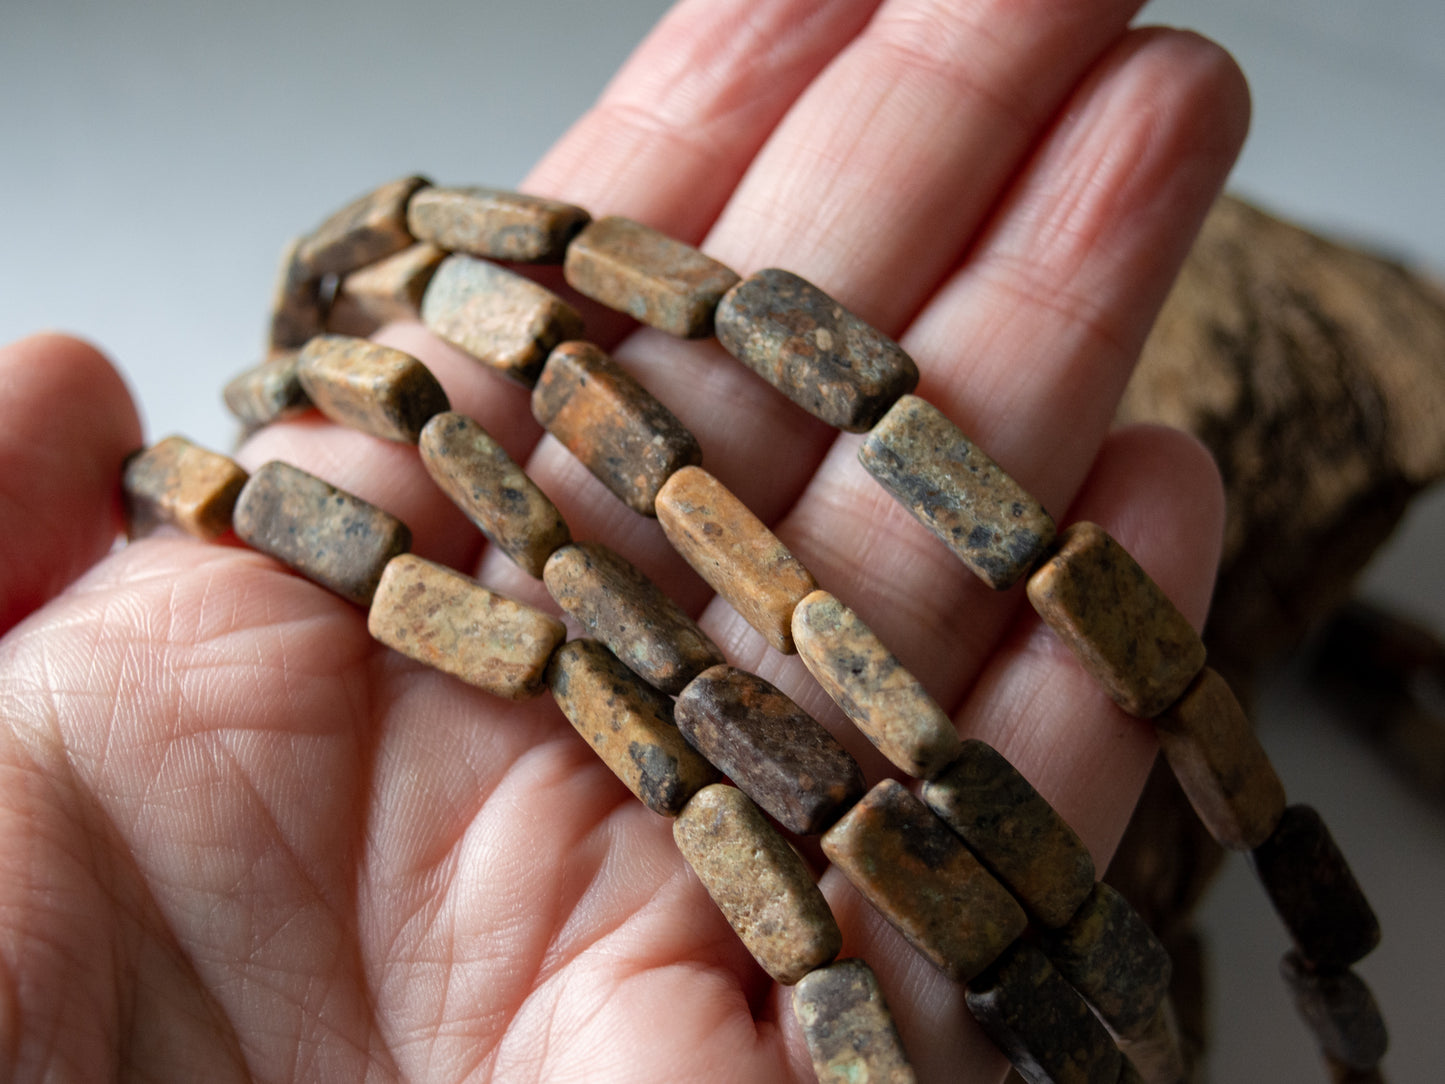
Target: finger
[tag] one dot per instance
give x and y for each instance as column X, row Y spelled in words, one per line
column 67, row 425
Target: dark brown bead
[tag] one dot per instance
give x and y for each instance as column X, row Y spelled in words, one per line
column 1340, row 1010
column 368, row 229
column 267, row 392
column 620, row 606
column 850, row 1032
column 776, row 752
column 923, row 880
column 183, row 484
column 370, row 387
column 1014, row 831
column 493, row 223
column 329, row 536
column 297, row 312
column 388, row 290
column 814, row 351
column 1314, row 892
column 624, row 436
column 1040, row 1023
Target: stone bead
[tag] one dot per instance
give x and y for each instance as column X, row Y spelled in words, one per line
column 1040, row 1023
column 924, row 881
column 370, row 387
column 1345, row 1074
column 297, row 312
column 1116, row 620
column 758, row 881
column 814, row 351
column 637, row 270
column 620, row 606
column 850, row 1032
column 368, row 229
column 1222, row 768
column 183, row 484
column 1155, row 1055
column 329, row 536
column 496, row 224
column 388, row 290
column 481, row 479
column 497, row 316
column 1111, row 956
column 612, row 424
column 734, row 552
column 629, row 725
column 867, row 681
column 453, row 624
column 781, row 757
column 1314, row 892
column 1014, row 831
column 1340, row 1010
column 945, row 482
column 267, row 392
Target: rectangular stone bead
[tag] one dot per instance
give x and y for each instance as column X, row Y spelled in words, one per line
column 629, row 724
column 629, row 441
column 867, row 681
column 734, row 552
column 267, row 392
column 1340, row 1010
column 1014, row 831
column 481, row 479
column 451, row 623
column 373, row 388
column 637, row 270
column 495, row 224
column 758, row 881
column 497, row 316
column 327, row 535
column 850, row 1032
column 814, row 351
column 950, row 486
column 1116, row 620
column 369, row 228
column 781, row 757
column 390, row 289
column 1040, row 1023
column 297, row 312
column 923, row 880
column 1314, row 892
column 617, row 604
column 1225, row 772
column 183, row 484
column 1155, row 1055
column 1111, row 956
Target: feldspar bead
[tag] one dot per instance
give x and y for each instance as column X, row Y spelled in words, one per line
column 368, row 229
column 297, row 312
column 782, row 758
column 451, row 623
column 758, row 881
column 182, row 484
column 1117, row 621
column 637, row 270
column 1014, row 831
column 620, row 606
column 951, row 487
column 850, row 1032
column 867, row 681
column 924, row 881
column 629, row 725
column 1314, row 892
column 492, row 490
column 612, row 424
column 271, row 390
column 1155, row 1056
column 494, row 223
column 370, row 387
column 729, row 547
column 329, row 536
column 1222, row 768
column 1340, row 1010
column 814, row 351
column 390, row 289
column 1040, row 1023
column 1112, row 957
column 497, row 316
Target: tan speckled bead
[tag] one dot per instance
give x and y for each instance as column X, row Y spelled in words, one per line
column 451, row 623
column 370, row 387
column 369, row 228
column 850, row 1032
column 494, row 223
column 1116, row 620
column 734, row 552
column 1155, row 1053
column 758, row 881
column 267, row 392
column 296, row 309
column 390, row 289
column 183, row 484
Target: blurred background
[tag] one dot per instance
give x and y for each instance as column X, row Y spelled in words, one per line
column 157, row 153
